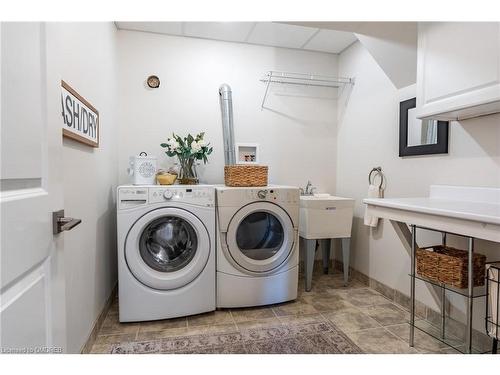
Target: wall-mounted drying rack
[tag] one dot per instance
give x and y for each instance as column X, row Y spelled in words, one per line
column 303, row 79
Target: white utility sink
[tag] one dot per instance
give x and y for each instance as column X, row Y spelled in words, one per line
column 325, row 216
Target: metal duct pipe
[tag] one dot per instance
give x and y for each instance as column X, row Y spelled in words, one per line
column 226, row 108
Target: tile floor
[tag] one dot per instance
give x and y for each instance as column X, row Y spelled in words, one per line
column 372, row 321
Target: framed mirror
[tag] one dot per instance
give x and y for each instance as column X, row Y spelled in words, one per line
column 420, row 137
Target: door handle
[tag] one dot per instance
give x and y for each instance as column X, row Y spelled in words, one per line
column 60, row 223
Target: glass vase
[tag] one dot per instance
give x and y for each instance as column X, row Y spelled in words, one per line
column 187, row 171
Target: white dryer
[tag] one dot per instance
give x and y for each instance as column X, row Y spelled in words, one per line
column 257, row 245
column 166, row 251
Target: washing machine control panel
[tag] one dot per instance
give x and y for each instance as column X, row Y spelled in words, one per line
column 197, row 195
column 133, row 196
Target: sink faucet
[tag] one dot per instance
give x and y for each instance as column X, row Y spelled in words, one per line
column 309, row 190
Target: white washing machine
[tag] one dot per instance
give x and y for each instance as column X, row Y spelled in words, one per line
column 257, row 245
column 166, row 251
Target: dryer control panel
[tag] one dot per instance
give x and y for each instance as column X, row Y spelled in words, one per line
column 290, row 196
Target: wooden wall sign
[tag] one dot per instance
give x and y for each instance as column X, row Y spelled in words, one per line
column 80, row 118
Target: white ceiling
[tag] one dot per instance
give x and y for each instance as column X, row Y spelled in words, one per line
column 262, row 33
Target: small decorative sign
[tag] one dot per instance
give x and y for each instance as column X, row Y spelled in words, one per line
column 80, row 118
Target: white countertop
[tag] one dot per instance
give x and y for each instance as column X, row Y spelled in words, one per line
column 475, row 211
column 469, row 211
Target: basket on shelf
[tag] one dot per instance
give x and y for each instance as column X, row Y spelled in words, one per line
column 245, row 175
column 449, row 265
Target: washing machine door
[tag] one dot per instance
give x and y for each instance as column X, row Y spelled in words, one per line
column 167, row 248
column 260, row 237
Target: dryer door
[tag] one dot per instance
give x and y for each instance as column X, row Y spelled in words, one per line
column 260, row 237
column 167, row 248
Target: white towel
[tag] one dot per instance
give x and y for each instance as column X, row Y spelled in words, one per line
column 373, row 192
column 493, row 274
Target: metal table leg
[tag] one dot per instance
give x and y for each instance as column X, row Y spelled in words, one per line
column 443, row 298
column 443, row 312
column 412, row 286
column 346, row 256
column 470, row 300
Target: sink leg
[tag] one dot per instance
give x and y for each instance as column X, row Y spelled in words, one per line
column 326, row 255
column 346, row 256
column 309, row 253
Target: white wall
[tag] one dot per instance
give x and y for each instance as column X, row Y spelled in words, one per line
column 368, row 133
column 83, row 54
column 394, row 46
column 297, row 135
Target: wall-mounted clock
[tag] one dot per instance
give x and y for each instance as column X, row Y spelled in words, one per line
column 153, row 82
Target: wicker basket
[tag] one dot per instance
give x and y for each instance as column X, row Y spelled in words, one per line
column 245, row 175
column 449, row 266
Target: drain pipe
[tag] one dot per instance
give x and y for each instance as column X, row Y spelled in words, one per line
column 226, row 108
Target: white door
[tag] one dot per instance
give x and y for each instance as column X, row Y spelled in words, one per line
column 32, row 317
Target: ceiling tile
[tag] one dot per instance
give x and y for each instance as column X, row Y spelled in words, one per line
column 330, row 41
column 228, row 31
column 280, row 35
column 263, row 33
column 174, row 28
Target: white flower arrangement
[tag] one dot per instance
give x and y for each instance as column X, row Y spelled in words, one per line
column 188, row 149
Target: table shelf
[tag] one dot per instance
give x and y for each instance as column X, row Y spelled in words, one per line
column 470, row 294
column 478, row 291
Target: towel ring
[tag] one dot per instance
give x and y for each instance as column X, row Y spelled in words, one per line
column 377, row 171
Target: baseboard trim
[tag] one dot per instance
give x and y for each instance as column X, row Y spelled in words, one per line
column 87, row 347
